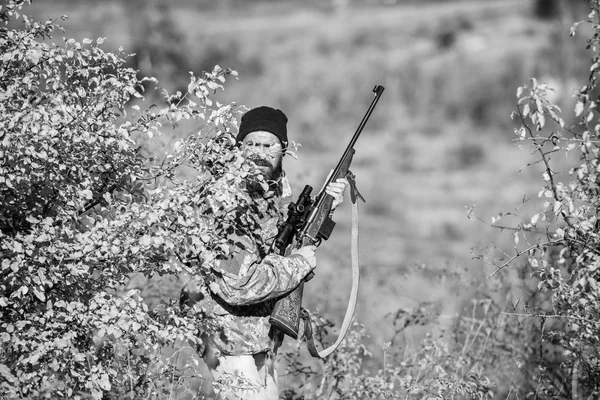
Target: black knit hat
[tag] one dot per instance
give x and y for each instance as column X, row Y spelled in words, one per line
column 264, row 119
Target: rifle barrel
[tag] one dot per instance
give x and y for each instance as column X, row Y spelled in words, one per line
column 378, row 89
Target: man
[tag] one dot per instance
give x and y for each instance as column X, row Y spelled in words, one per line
column 245, row 286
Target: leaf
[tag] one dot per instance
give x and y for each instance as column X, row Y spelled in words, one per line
column 22, row 291
column 557, row 206
column 87, row 194
column 6, row 373
column 541, row 119
column 146, row 240
column 39, row 294
column 32, row 220
column 104, row 382
column 123, row 324
column 578, row 108
column 17, row 247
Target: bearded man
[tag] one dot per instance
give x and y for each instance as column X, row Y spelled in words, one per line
column 245, row 286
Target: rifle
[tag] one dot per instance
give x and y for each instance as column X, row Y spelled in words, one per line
column 309, row 223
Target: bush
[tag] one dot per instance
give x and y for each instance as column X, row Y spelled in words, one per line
column 560, row 239
column 81, row 209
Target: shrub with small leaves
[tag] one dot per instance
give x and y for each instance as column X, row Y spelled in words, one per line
column 560, row 241
column 81, row 209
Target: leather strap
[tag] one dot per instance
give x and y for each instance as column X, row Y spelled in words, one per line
column 312, row 348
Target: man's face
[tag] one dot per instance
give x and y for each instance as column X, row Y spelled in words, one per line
column 265, row 150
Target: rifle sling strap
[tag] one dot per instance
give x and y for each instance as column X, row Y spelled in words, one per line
column 312, row 349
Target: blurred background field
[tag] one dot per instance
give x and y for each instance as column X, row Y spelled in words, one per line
column 438, row 144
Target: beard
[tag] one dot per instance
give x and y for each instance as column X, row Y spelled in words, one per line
column 271, row 173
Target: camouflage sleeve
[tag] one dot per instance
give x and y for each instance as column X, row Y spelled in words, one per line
column 268, row 279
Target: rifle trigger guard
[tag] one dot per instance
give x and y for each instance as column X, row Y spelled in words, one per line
column 354, row 193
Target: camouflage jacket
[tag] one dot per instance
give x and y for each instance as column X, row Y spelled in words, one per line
column 244, row 287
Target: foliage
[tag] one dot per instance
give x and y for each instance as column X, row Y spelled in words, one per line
column 440, row 369
column 560, row 240
column 81, row 209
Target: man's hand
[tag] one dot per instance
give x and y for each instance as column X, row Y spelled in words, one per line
column 307, row 252
column 336, row 190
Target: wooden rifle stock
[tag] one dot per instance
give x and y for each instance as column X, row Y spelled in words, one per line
column 310, row 226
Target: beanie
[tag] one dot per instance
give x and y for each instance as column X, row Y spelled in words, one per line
column 264, row 119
